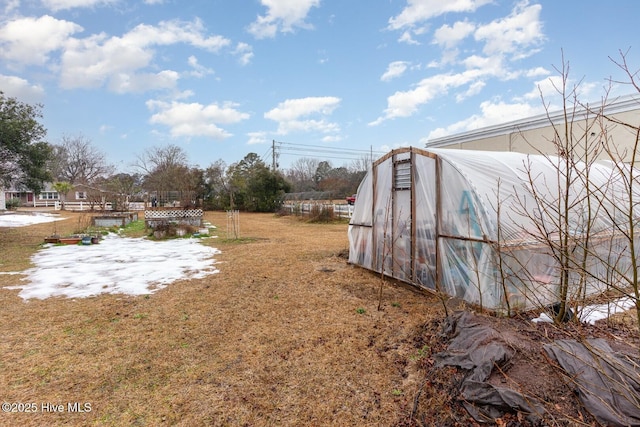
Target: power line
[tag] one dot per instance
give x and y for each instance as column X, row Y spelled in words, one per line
column 345, row 150
column 302, row 150
column 266, row 155
column 334, row 157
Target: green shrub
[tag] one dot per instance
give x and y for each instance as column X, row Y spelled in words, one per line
column 12, row 204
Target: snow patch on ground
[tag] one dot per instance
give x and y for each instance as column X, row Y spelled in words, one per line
column 592, row 313
column 115, row 265
column 21, row 220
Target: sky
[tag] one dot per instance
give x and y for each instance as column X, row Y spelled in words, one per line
column 326, row 79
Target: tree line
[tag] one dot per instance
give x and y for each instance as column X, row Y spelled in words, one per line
column 160, row 173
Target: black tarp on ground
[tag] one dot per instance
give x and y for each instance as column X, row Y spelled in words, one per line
column 478, row 348
column 607, row 383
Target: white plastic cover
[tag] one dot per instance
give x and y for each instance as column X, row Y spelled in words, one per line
column 480, row 225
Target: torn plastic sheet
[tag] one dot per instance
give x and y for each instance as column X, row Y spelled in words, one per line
column 477, row 348
column 607, row 383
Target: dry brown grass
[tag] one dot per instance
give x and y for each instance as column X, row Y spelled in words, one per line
column 286, row 334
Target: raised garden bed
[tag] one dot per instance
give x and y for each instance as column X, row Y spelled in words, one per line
column 115, row 219
column 161, row 216
column 73, row 240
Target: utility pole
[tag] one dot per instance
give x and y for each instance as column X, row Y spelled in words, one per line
column 274, row 166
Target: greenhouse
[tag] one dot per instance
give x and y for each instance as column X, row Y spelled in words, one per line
column 501, row 230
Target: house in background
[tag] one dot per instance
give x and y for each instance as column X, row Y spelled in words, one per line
column 81, row 197
column 94, row 197
column 47, row 198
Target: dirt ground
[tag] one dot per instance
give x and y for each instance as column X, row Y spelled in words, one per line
column 287, row 334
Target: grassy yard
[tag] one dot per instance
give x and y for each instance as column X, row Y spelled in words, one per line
column 286, row 334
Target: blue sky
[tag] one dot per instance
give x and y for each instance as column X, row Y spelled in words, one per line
column 223, row 78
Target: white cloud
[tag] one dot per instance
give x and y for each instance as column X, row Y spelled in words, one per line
column 90, row 62
column 100, row 60
column 30, row 41
column 332, row 138
column 142, row 82
column 257, row 138
column 449, row 36
column 194, row 119
column 522, row 29
column 173, row 32
column 449, row 57
column 474, row 89
column 407, row 38
column 528, row 105
column 291, row 109
column 56, row 5
column 395, row 69
column 405, row 104
column 423, row 10
column 502, row 42
column 198, row 70
column 283, row 16
column 244, row 53
column 17, row 87
column 117, row 61
column 185, row 94
column 287, row 127
column 538, row 71
column 551, row 87
column 490, row 65
column 492, row 113
column 289, row 115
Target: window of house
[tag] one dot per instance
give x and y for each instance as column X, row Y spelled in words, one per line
column 81, row 195
column 49, row 195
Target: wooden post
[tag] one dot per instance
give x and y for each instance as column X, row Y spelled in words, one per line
column 412, row 249
column 438, row 223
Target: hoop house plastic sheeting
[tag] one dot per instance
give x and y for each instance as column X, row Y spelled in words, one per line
column 485, row 226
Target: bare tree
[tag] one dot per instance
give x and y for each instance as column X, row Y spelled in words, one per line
column 77, row 161
column 122, row 187
column 362, row 164
column 559, row 208
column 217, row 185
column 168, row 174
column 161, row 159
column 582, row 218
column 622, row 206
column 301, row 174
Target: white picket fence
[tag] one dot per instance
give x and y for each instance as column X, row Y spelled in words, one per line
column 85, row 206
column 305, row 208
